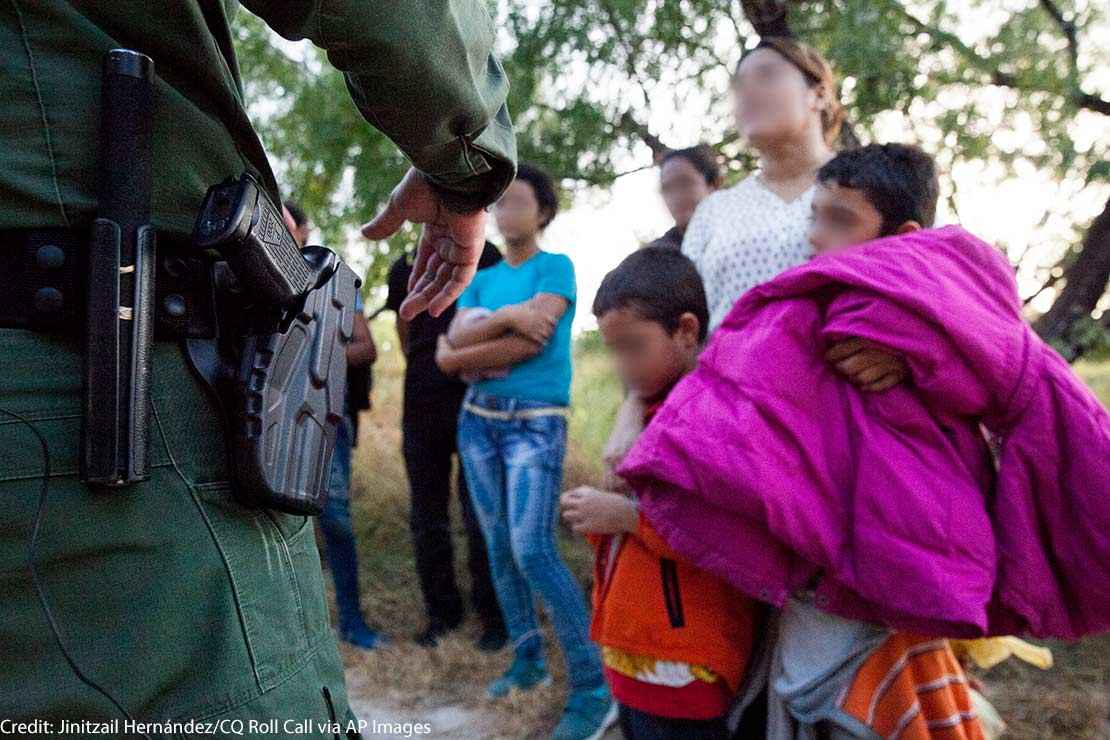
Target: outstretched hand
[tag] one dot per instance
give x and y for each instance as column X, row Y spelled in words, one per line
column 450, row 245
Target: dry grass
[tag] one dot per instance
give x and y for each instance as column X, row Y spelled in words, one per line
column 1070, row 701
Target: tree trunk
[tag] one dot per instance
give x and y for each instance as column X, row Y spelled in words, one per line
column 768, row 17
column 1085, row 283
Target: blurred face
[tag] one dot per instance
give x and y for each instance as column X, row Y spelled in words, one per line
column 518, row 213
column 842, row 217
column 683, row 187
column 649, row 359
column 772, row 100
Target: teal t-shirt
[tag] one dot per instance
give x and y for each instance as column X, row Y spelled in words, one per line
column 545, row 377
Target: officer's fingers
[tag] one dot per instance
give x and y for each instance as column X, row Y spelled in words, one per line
column 460, row 278
column 387, row 222
column 411, row 200
column 844, row 349
column 412, row 306
column 429, row 269
column 419, row 295
column 419, row 299
column 433, row 286
column 425, row 250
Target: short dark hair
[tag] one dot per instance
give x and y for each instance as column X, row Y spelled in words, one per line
column 659, row 284
column 296, row 212
column 702, row 158
column 544, row 188
column 899, row 180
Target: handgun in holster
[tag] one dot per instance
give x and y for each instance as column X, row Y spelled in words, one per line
column 280, row 363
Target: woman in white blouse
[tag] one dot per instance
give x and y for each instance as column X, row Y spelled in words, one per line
column 786, row 107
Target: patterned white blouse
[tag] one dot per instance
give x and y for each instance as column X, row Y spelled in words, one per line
column 744, row 236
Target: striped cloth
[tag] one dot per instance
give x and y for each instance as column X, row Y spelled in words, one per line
column 913, row 688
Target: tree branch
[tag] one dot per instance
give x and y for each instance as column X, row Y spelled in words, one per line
column 630, row 50
column 1068, row 29
column 1085, row 283
column 629, row 125
column 1000, row 78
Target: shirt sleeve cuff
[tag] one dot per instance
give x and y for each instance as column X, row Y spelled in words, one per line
column 470, row 173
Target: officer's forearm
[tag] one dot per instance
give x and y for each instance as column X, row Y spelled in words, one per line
column 422, row 73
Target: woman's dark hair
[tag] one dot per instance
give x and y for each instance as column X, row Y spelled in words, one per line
column 544, row 189
column 702, row 158
column 660, row 285
column 296, row 212
column 899, row 180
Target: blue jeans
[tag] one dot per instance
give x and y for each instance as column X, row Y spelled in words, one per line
column 339, row 537
column 514, row 469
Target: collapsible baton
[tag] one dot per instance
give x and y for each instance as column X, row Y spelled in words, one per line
column 281, row 364
column 115, row 449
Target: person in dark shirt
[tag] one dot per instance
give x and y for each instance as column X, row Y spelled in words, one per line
column 686, row 176
column 431, row 409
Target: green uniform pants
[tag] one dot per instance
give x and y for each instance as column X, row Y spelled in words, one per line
column 183, row 604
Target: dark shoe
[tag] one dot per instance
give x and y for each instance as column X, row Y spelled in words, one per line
column 492, row 640
column 359, row 634
column 429, row 638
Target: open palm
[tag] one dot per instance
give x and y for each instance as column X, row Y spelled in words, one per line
column 450, row 244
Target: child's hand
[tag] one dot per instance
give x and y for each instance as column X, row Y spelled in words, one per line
column 590, row 511
column 867, row 366
column 627, row 428
column 477, row 376
column 531, row 324
column 446, row 356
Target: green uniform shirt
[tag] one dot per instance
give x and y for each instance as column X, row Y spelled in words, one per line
column 421, row 71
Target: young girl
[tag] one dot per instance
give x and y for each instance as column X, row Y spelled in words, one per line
column 512, row 439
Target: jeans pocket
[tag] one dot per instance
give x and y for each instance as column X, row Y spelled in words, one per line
column 274, row 570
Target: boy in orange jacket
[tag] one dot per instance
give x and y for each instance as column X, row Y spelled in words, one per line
column 675, row 640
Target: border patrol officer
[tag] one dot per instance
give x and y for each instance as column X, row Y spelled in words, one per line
column 167, row 601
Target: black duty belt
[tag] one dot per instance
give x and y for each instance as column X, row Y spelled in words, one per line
column 43, row 277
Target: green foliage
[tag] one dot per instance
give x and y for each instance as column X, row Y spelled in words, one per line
column 588, row 75
column 326, row 156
